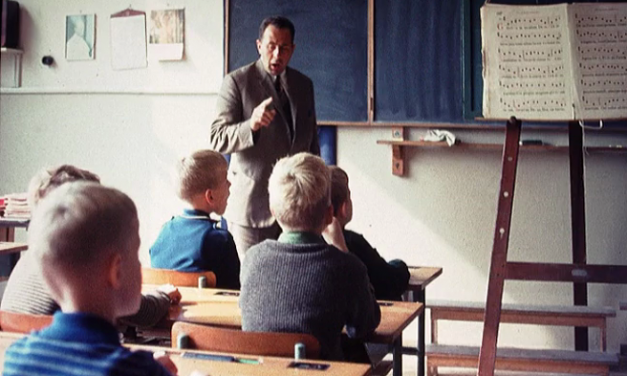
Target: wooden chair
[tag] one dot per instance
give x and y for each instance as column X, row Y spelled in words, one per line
column 209, row 338
column 153, row 276
column 23, row 322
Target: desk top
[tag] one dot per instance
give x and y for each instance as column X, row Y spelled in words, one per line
column 268, row 366
column 14, row 222
column 10, row 247
column 421, row 276
column 220, row 308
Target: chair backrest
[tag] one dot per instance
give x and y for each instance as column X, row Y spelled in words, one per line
column 209, row 338
column 23, row 322
column 153, row 276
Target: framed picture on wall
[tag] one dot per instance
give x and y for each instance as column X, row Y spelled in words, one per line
column 80, row 37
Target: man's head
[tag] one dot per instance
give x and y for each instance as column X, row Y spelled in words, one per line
column 276, row 44
column 85, row 238
column 341, row 195
column 300, row 193
column 202, row 180
column 47, row 180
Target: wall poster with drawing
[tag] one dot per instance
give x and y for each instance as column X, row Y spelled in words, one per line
column 80, row 37
column 167, row 34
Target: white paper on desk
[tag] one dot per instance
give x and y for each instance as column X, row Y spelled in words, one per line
column 128, row 42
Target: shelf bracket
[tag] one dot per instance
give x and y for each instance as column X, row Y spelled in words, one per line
column 398, row 152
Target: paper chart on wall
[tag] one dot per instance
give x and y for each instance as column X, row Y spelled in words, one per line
column 599, row 40
column 128, row 40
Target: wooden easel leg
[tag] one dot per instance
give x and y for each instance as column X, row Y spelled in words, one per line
column 578, row 222
column 487, row 355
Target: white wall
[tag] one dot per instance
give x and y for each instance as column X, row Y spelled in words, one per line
column 442, row 213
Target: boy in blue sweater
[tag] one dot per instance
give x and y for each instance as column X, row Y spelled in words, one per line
column 85, row 240
column 192, row 241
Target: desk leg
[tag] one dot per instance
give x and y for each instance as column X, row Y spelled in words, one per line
column 397, row 355
column 420, row 344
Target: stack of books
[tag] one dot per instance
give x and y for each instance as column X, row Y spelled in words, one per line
column 15, row 205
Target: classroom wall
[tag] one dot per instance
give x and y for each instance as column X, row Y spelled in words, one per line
column 442, row 213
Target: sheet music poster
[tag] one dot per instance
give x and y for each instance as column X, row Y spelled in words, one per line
column 555, row 62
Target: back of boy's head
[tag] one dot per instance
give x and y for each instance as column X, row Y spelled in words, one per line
column 198, row 172
column 80, row 224
column 47, row 180
column 339, row 187
column 300, row 192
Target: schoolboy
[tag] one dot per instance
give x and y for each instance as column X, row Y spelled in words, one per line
column 389, row 279
column 26, row 291
column 299, row 283
column 192, row 241
column 85, row 240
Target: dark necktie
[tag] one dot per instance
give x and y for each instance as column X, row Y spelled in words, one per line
column 285, row 104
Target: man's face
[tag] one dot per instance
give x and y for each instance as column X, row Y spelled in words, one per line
column 275, row 49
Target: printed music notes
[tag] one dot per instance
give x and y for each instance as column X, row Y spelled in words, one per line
column 557, row 62
column 600, row 53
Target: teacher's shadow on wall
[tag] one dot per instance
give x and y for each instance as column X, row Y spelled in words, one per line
column 79, row 37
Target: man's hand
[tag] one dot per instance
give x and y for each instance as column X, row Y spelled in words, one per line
column 262, row 115
column 172, row 292
column 334, row 235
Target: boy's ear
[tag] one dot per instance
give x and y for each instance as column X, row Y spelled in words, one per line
column 342, row 210
column 115, row 271
column 209, row 196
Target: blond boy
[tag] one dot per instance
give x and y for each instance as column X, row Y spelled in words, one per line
column 85, row 240
column 26, row 291
column 389, row 279
column 192, row 241
column 299, row 283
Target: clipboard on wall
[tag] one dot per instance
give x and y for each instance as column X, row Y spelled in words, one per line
column 128, row 39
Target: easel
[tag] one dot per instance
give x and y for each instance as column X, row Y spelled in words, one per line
column 500, row 269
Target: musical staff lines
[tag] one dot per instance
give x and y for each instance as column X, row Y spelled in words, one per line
column 583, row 19
column 528, row 22
column 602, row 52
column 518, row 54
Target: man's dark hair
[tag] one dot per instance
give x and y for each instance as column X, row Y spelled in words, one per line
column 279, row 22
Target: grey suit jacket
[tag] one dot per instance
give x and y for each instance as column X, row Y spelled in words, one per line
column 255, row 153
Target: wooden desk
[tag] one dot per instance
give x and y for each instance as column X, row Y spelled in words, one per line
column 8, row 226
column 420, row 277
column 7, row 248
column 268, row 366
column 208, row 306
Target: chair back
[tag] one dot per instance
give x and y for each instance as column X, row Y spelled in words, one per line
column 152, row 276
column 209, row 338
column 23, row 322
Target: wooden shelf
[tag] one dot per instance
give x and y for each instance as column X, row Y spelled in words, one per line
column 17, row 64
column 398, row 153
column 11, row 51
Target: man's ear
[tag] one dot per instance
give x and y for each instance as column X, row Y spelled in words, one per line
column 259, row 46
column 115, row 271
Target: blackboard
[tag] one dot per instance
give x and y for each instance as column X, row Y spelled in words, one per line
column 331, row 48
column 417, row 61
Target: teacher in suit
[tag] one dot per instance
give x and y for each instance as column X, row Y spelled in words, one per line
column 265, row 111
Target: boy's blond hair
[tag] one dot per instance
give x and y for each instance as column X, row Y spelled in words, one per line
column 339, row 187
column 300, row 191
column 48, row 179
column 78, row 225
column 197, row 172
